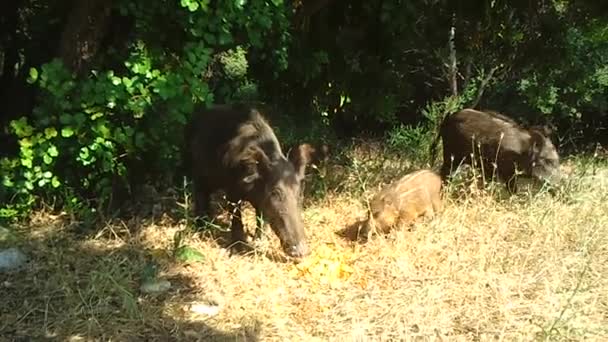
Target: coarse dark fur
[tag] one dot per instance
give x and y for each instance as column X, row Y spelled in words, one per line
column 233, row 148
column 496, row 139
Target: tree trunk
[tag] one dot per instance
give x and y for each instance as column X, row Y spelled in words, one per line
column 14, row 97
column 453, row 69
column 307, row 9
column 81, row 38
column 8, row 45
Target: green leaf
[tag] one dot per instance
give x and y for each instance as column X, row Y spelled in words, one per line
column 52, row 151
column 84, row 153
column 27, row 163
column 47, row 174
column 116, row 80
column 55, row 182
column 192, row 5
column 96, row 116
column 50, row 132
column 188, row 254
column 103, row 130
column 39, row 138
column 33, row 76
column 67, row 132
column 47, row 159
column 7, row 182
column 127, row 82
column 21, row 127
column 26, row 142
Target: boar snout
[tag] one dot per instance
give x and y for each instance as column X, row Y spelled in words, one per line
column 298, row 250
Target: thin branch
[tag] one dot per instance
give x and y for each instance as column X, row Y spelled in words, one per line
column 483, row 85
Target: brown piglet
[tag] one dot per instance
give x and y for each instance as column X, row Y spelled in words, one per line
column 403, row 201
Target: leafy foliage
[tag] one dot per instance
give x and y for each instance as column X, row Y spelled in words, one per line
column 123, row 123
column 105, row 114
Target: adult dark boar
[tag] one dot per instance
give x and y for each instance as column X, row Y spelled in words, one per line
column 233, row 148
column 496, row 139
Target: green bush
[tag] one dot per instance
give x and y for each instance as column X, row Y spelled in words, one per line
column 122, row 125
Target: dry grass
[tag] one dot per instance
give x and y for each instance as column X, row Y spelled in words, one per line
column 525, row 268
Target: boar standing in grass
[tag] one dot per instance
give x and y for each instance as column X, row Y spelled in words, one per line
column 233, row 148
column 495, row 139
column 403, row 201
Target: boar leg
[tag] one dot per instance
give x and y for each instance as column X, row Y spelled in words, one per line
column 512, row 185
column 201, row 202
column 508, row 177
column 239, row 240
column 436, row 203
column 428, row 200
column 364, row 231
column 446, row 167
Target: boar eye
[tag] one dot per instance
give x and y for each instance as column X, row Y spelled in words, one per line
column 276, row 194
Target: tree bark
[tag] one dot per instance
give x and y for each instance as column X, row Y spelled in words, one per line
column 8, row 28
column 453, row 71
column 308, row 8
column 85, row 28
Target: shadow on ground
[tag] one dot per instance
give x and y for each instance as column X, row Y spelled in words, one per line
column 351, row 232
column 75, row 289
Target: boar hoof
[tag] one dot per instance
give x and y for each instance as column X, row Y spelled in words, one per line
column 240, row 247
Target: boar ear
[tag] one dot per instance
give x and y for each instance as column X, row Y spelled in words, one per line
column 321, row 153
column 256, row 163
column 546, row 130
column 537, row 140
column 299, row 156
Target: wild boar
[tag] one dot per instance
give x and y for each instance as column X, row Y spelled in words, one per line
column 305, row 154
column 499, row 145
column 403, row 201
column 233, row 148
